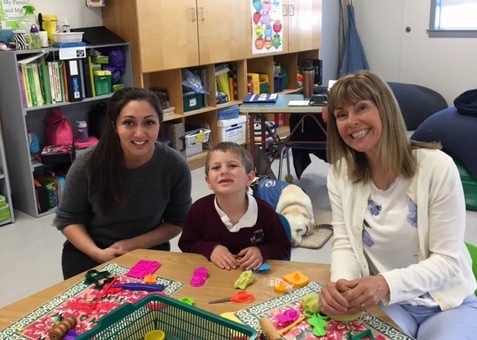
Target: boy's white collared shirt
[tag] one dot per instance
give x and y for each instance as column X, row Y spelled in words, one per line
column 248, row 220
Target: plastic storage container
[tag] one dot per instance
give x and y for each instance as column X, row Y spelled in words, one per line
column 195, row 136
column 193, row 101
column 176, row 319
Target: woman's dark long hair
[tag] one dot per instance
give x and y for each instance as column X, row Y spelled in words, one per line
column 106, row 161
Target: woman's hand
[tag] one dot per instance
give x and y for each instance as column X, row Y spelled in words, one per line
column 223, row 258
column 331, row 299
column 250, row 258
column 127, row 245
column 104, row 255
column 367, row 292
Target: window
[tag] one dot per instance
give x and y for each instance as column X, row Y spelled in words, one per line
column 453, row 18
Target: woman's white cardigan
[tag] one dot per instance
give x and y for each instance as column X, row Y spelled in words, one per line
column 444, row 268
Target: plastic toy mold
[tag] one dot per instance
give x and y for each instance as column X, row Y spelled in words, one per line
column 297, row 279
column 245, row 279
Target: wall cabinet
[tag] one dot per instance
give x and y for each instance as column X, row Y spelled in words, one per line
column 16, row 119
column 173, row 34
column 167, row 36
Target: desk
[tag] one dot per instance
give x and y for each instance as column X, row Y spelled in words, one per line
column 281, row 106
column 179, row 267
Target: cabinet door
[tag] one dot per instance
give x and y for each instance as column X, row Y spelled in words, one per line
column 304, row 25
column 222, row 30
column 167, row 34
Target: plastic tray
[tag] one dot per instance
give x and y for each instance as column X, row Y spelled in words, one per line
column 68, row 37
column 177, row 319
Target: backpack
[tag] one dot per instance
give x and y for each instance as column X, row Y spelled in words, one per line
column 58, row 129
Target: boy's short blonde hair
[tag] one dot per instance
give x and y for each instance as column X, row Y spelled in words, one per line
column 237, row 149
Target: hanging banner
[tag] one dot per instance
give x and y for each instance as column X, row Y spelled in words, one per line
column 267, row 27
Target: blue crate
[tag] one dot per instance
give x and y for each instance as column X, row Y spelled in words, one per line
column 231, row 112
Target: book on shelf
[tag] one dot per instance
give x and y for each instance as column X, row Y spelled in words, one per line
column 37, row 84
column 261, row 98
column 45, row 81
column 54, row 71
column 31, row 84
column 25, row 85
column 222, row 79
column 63, row 80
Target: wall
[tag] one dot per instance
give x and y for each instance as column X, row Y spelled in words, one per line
column 75, row 11
column 446, row 65
column 330, row 40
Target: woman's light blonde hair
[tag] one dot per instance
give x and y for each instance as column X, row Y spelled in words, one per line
column 394, row 148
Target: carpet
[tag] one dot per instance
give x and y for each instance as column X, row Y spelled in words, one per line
column 320, row 233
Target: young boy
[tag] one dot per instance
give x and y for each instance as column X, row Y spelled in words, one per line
column 230, row 227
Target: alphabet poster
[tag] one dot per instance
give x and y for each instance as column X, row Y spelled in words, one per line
column 267, row 27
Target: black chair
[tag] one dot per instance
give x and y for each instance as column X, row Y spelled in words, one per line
column 308, row 136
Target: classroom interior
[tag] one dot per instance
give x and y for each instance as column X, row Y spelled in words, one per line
column 30, row 248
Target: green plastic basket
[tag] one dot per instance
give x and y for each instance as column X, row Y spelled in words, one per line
column 176, row 319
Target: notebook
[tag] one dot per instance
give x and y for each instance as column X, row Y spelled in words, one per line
column 299, row 102
column 261, row 98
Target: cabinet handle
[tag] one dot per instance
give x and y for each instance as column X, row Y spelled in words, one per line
column 193, row 12
column 292, row 12
column 202, row 11
column 285, row 10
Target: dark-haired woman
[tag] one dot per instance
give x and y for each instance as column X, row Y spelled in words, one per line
column 129, row 191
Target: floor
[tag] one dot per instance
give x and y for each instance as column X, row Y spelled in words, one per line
column 30, row 248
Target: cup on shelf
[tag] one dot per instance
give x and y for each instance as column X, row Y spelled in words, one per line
column 22, row 39
column 43, row 38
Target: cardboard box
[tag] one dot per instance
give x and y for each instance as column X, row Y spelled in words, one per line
column 232, row 130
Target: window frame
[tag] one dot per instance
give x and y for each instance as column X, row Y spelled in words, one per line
column 447, row 33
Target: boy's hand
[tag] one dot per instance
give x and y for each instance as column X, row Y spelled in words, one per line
column 251, row 258
column 223, row 258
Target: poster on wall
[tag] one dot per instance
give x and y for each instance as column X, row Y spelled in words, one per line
column 12, row 12
column 267, row 28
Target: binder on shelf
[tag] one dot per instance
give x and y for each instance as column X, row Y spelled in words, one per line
column 73, row 79
column 82, row 78
column 87, row 78
column 261, row 98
